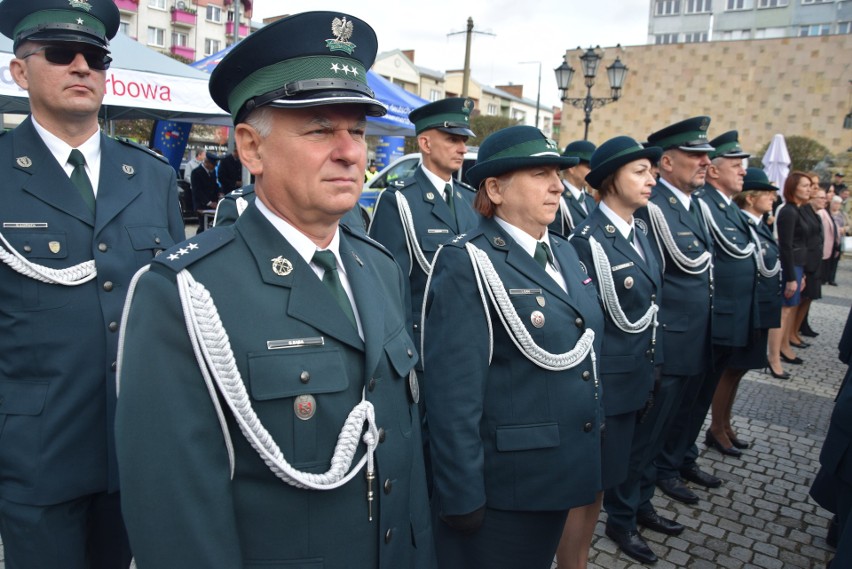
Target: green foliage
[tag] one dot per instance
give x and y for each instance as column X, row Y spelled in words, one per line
column 805, row 153
column 483, row 125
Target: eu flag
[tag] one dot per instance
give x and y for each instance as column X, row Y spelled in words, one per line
column 170, row 139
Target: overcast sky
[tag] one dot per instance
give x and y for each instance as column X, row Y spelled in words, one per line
column 524, row 30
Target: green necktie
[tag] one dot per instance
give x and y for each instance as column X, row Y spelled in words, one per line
column 542, row 254
column 693, row 209
column 630, row 236
column 331, row 279
column 81, row 179
column 448, row 192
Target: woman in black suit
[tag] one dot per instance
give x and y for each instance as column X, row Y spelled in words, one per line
column 793, row 230
column 813, row 265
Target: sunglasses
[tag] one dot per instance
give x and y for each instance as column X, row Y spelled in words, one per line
column 98, row 60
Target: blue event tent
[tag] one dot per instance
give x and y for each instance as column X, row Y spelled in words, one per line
column 398, row 101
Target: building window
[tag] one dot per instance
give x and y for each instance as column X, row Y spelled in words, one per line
column 434, row 95
column 814, row 30
column 492, row 110
column 180, row 39
column 124, row 27
column 156, row 37
column 736, row 5
column 769, row 33
column 211, row 46
column 844, row 27
column 771, row 3
column 661, row 39
column 666, row 7
column 736, row 35
column 214, row 13
column 698, row 6
column 816, row 1
column 519, row 116
column 158, row 4
column 694, row 37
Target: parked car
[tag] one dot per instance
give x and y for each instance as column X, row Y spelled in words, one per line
column 402, row 168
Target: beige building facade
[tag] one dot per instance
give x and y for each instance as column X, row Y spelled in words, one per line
column 793, row 86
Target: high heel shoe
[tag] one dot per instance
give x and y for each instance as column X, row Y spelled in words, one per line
column 713, row 442
column 795, row 361
column 782, row 375
column 800, row 345
column 739, row 443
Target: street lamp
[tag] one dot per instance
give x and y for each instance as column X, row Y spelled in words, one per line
column 590, row 61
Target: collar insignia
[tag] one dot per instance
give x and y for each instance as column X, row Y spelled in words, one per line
column 499, row 242
column 610, row 229
column 281, row 266
column 127, row 169
column 673, row 200
column 24, row 161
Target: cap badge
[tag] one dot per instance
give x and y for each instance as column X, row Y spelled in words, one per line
column 281, row 266
column 342, row 30
column 467, row 106
column 82, row 5
column 551, row 144
column 24, row 161
column 705, row 122
column 127, row 169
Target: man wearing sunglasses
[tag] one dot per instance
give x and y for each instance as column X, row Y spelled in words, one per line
column 81, row 213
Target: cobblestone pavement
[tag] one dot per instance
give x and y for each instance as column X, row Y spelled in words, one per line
column 762, row 516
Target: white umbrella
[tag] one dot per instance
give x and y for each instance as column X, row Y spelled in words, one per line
column 776, row 161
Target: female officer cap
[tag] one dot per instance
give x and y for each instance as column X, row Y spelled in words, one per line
column 615, row 153
column 515, row 148
column 304, row 60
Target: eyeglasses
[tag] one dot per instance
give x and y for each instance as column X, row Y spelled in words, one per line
column 98, row 60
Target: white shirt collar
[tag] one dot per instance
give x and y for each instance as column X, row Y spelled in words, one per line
column 623, row 227
column 436, row 180
column 728, row 201
column 528, row 243
column 757, row 219
column 301, row 242
column 574, row 191
column 60, row 150
column 682, row 197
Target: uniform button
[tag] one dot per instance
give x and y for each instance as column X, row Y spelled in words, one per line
column 157, row 240
column 381, row 435
column 586, row 375
column 648, row 353
column 587, row 427
column 371, row 385
column 579, row 322
column 113, row 326
column 304, row 377
column 102, row 247
column 416, row 326
column 653, row 297
column 28, row 249
column 388, row 536
column 113, row 366
column 410, row 352
column 108, row 286
column 388, row 486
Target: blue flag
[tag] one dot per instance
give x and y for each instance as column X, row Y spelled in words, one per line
column 170, row 139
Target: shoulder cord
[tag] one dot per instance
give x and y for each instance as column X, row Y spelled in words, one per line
column 216, row 363
column 484, row 270
column 664, row 238
column 411, row 243
column 70, row 276
column 759, row 260
column 730, row 248
column 610, row 297
column 566, row 214
column 242, row 204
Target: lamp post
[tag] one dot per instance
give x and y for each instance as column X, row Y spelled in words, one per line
column 538, row 91
column 590, row 61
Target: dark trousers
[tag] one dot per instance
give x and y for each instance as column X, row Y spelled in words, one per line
column 679, row 450
column 625, row 500
column 85, row 533
column 506, row 540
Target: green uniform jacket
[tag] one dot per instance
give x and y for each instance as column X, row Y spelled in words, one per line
column 180, row 504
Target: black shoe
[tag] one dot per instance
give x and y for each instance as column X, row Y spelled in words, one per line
column 698, row 476
column 675, row 488
column 809, row 333
column 796, row 361
column 654, row 521
column 713, row 442
column 832, row 283
column 739, row 443
column 631, row 543
column 831, row 535
column 800, row 345
column 782, row 375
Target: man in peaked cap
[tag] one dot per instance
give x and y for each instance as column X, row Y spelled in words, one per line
column 678, row 230
column 576, row 203
column 81, row 213
column 436, row 206
column 248, row 394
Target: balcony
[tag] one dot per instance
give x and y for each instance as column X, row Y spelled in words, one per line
column 183, row 51
column 183, row 18
column 229, row 29
column 127, row 6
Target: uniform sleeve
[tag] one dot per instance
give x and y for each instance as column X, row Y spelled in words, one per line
column 456, row 344
column 173, row 464
column 386, row 228
column 786, row 224
column 175, row 218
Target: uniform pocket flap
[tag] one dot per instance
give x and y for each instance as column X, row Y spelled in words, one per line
column 38, row 245
column 304, row 370
column 22, row 397
column 617, row 364
column 527, row 437
column 144, row 237
column 401, row 353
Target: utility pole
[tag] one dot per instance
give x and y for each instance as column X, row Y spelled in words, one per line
column 469, row 33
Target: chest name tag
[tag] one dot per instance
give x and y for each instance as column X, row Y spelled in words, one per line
column 24, row 225
column 437, row 231
column 524, row 291
column 295, row 343
column 684, row 233
column 622, row 266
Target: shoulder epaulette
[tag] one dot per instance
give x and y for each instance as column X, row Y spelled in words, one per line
column 466, row 186
column 136, row 145
column 460, row 240
column 403, row 184
column 184, row 254
column 365, row 238
column 245, row 193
